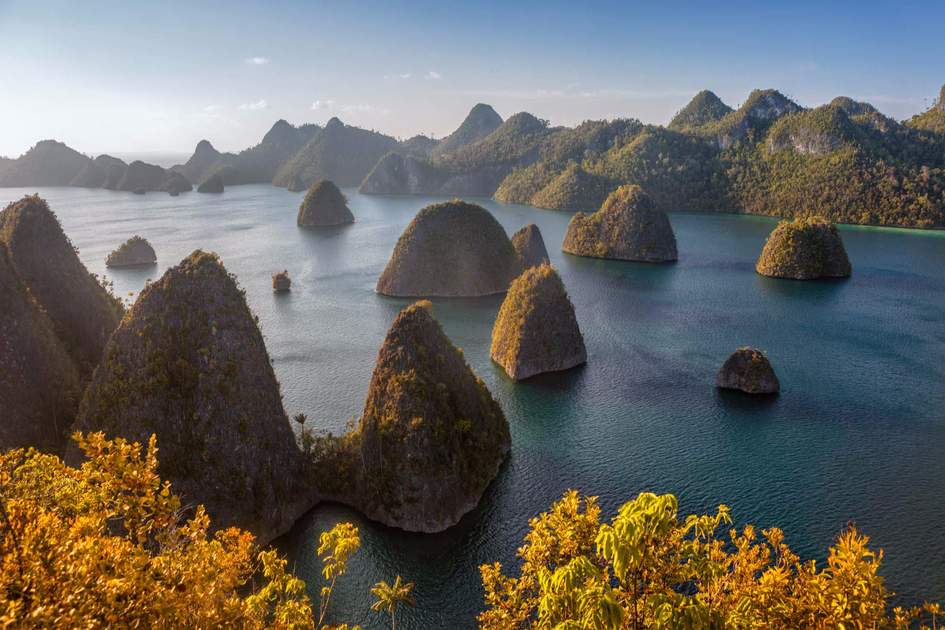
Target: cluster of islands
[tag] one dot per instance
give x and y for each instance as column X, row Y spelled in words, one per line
column 188, row 362
column 845, row 161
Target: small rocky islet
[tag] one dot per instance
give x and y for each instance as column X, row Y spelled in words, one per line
column 804, row 249
column 135, row 252
column 628, row 226
column 748, row 370
column 324, row 205
column 451, row 249
column 281, row 282
column 530, row 246
column 536, row 330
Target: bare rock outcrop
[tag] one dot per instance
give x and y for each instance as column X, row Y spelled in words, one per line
column 749, row 371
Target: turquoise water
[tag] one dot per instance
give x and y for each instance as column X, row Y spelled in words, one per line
column 857, row 435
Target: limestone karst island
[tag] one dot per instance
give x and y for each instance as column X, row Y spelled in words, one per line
column 495, row 316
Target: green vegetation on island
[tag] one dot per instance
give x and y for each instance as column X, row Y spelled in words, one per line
column 804, row 249
column 628, row 226
column 451, row 249
column 536, row 330
column 324, row 206
column 134, row 252
column 188, row 364
column 530, row 246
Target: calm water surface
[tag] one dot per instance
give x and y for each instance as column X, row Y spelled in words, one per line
column 857, row 435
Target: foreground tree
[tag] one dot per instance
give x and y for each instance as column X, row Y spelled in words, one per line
column 104, row 545
column 649, row 568
column 390, row 596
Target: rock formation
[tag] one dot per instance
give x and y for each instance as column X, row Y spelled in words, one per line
column 432, row 436
column 135, row 252
column 804, row 249
column 213, row 184
column 324, row 206
column 536, row 330
column 281, row 282
column 627, row 227
column 39, row 383
column 189, row 364
column 141, row 177
column 451, row 249
column 530, row 246
column 748, row 370
column 82, row 312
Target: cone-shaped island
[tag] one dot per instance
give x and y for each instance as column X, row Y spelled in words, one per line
column 530, row 246
column 432, row 437
column 804, row 249
column 536, row 330
column 628, row 226
column 451, row 249
column 82, row 312
column 749, row 371
column 39, row 383
column 324, row 206
column 189, row 364
column 135, row 252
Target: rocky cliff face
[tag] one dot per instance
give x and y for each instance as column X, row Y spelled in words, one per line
column 627, row 227
column 432, row 437
column 451, row 249
column 530, row 246
column 324, row 206
column 189, row 364
column 39, row 383
column 804, row 249
column 83, row 314
column 749, row 371
column 135, row 252
column 753, row 118
column 536, row 330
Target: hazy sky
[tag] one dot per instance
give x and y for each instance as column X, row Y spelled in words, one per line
column 159, row 76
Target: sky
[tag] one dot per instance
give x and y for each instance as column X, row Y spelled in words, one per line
column 130, row 76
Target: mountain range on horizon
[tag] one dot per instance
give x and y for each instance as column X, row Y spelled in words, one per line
column 844, row 160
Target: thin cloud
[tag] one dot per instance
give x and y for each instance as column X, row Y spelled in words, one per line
column 404, row 75
column 323, row 103
column 257, row 61
column 252, row 107
column 212, row 108
column 434, row 75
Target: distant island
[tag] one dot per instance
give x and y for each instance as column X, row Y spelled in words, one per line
column 844, row 161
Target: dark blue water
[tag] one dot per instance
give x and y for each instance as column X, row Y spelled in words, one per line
column 857, row 434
